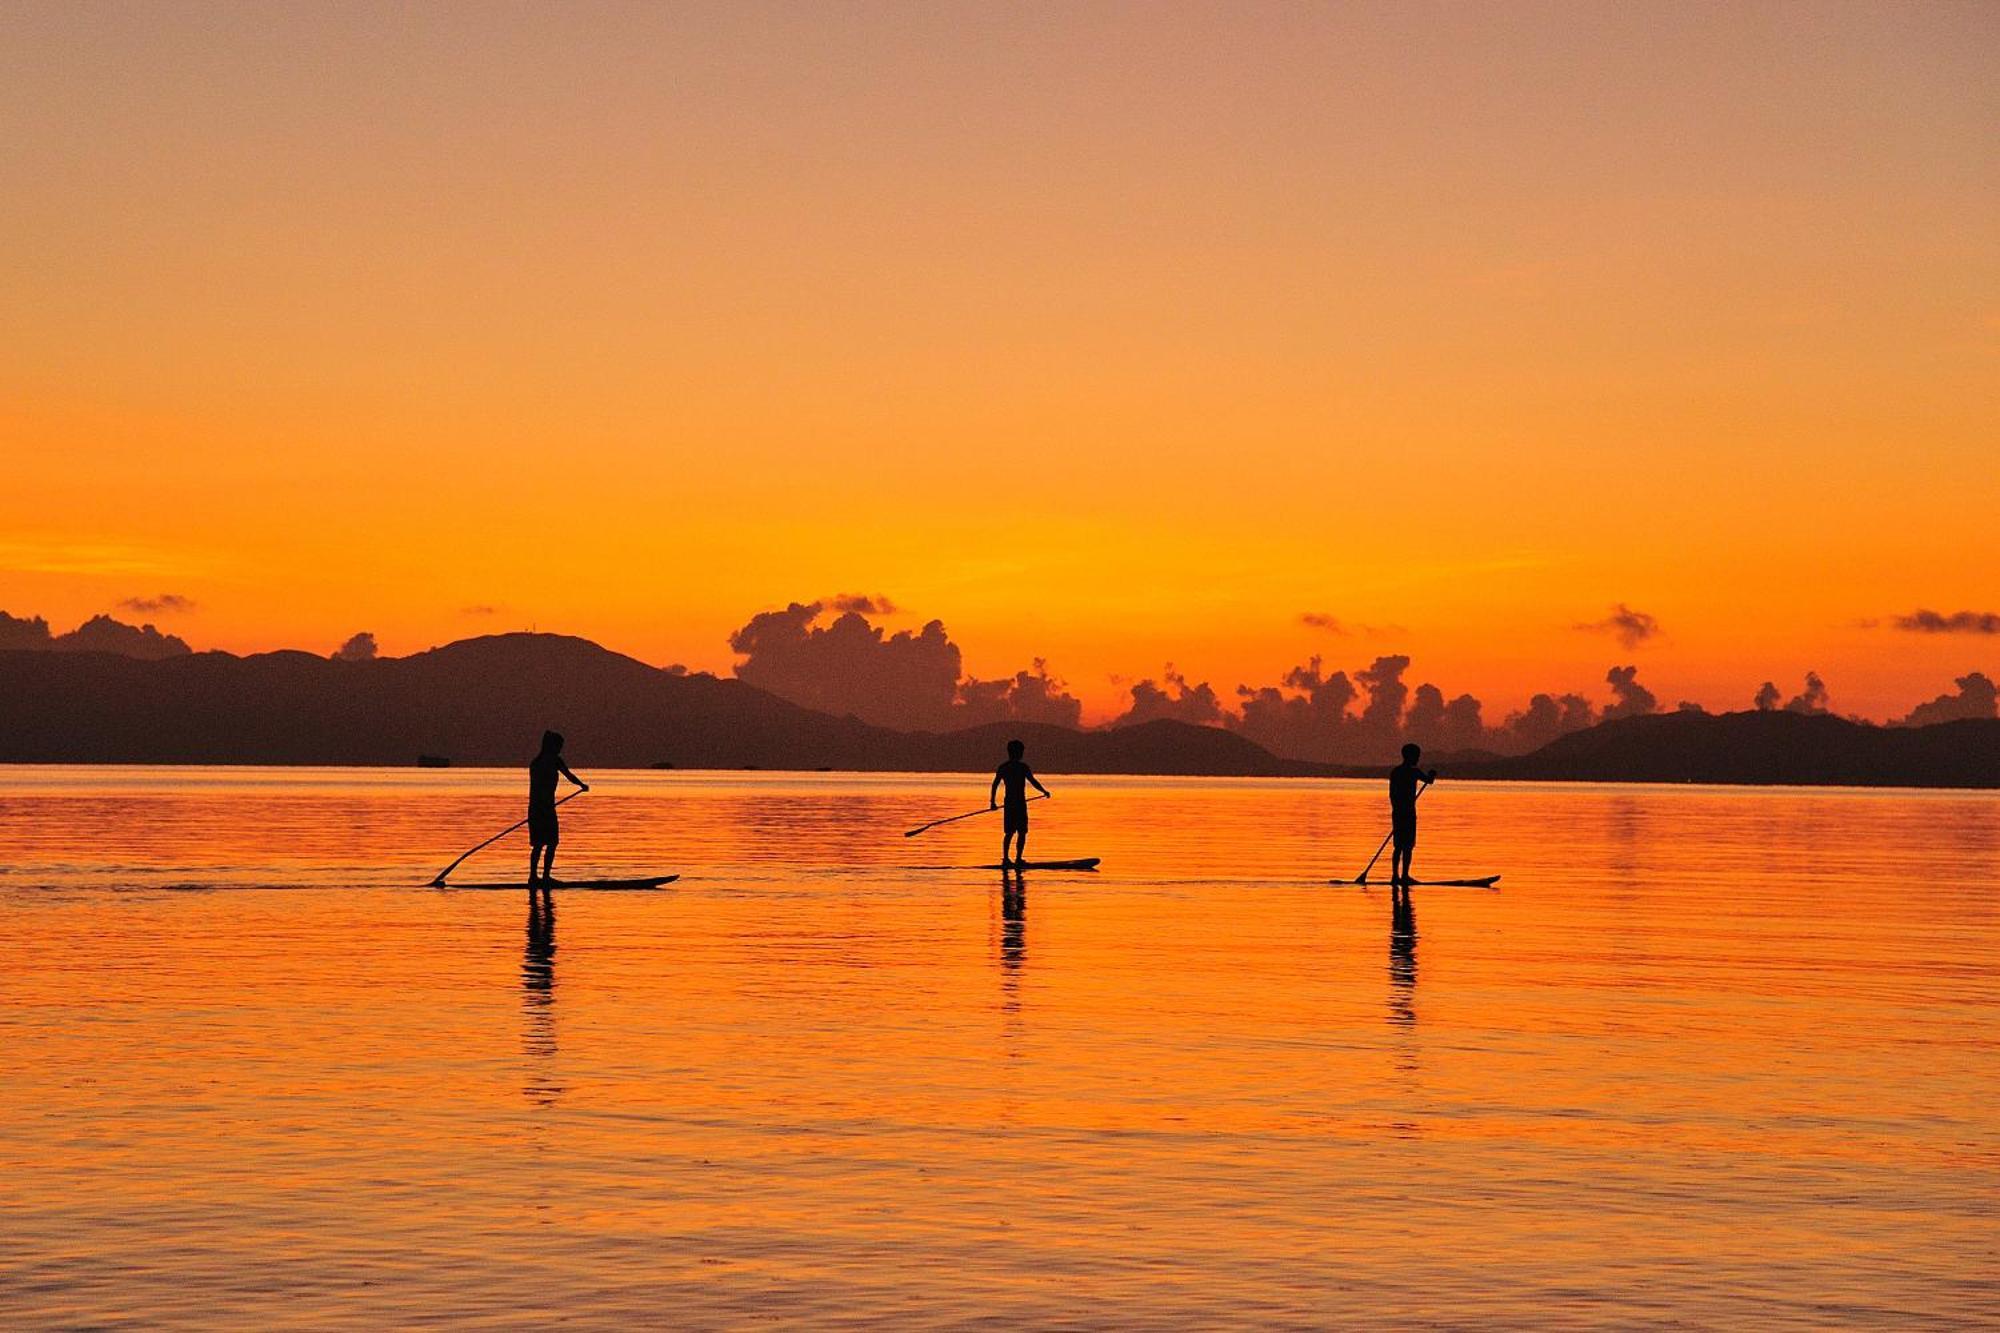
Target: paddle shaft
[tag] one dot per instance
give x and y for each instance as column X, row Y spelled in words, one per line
column 970, row 814
column 1362, row 878
column 439, row 881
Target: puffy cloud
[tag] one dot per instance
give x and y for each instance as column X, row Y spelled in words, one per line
column 1976, row 697
column 1958, row 622
column 1176, row 699
column 1812, row 699
column 1383, row 715
column 102, row 634
column 1768, row 695
column 169, row 602
column 1320, row 620
column 1440, row 724
column 910, row 679
column 1629, row 697
column 359, row 648
column 1312, row 714
column 1303, row 717
column 99, row 634
column 23, row 634
column 1631, row 628
column 1546, row 717
column 1026, row 696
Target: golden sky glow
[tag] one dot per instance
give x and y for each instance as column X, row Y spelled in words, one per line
column 1111, row 335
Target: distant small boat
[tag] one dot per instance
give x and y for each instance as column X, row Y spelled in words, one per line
column 1081, row 863
column 596, row 885
column 433, row 761
column 1486, row 882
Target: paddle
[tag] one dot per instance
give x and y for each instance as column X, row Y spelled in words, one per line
column 971, row 814
column 1362, row 878
column 438, row 883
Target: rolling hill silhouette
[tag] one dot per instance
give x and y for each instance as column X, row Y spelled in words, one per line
column 1761, row 748
column 485, row 701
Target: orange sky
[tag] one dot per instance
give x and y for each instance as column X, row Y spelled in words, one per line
column 1114, row 335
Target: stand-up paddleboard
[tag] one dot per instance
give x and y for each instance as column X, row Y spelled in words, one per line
column 1486, row 882
column 596, row 885
column 1082, row 863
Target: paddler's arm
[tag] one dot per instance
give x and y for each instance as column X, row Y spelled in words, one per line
column 993, row 794
column 1037, row 784
column 571, row 776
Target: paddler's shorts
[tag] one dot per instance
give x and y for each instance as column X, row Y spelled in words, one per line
column 541, row 828
column 1014, row 819
column 1403, row 828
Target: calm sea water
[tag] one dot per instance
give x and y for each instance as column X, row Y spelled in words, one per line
column 1709, row 1056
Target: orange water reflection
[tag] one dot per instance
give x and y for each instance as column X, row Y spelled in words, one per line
column 1719, row 1053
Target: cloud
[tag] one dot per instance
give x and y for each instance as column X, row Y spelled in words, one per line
column 861, row 604
column 1629, row 697
column 1364, row 718
column 102, row 634
column 23, row 634
column 359, row 648
column 1383, row 680
column 1546, row 717
column 479, row 609
column 1319, row 620
column 1440, row 724
column 1958, row 622
column 1302, row 717
column 1026, row 696
column 909, row 680
column 1631, row 628
column 99, row 634
column 170, row 602
column 1812, row 699
column 1977, row 697
column 1176, row 699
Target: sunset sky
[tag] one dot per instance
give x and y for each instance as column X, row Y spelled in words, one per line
column 1111, row 335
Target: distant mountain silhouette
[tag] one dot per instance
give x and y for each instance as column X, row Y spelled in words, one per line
column 1764, row 747
column 485, row 701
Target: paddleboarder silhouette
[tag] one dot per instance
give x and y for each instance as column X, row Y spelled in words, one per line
column 1405, row 781
column 543, row 832
column 1017, row 777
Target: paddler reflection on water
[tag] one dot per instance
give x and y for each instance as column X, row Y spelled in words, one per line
column 543, row 833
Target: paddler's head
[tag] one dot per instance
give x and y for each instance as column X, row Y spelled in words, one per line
column 1015, row 749
column 1411, row 753
column 552, row 742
